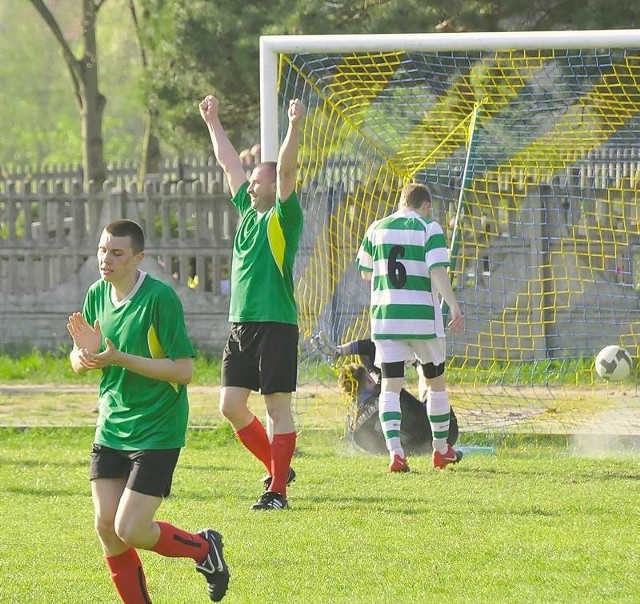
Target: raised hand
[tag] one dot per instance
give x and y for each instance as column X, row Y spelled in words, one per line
column 84, row 336
column 296, row 111
column 209, row 108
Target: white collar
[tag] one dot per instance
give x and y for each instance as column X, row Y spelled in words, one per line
column 134, row 289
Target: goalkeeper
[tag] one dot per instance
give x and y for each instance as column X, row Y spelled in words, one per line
column 361, row 382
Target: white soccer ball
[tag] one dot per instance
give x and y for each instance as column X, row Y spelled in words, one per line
column 613, row 363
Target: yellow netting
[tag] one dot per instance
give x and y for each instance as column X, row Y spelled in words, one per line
column 546, row 250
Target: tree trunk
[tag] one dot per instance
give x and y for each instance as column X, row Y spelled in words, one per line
column 92, row 103
column 151, row 155
column 84, row 75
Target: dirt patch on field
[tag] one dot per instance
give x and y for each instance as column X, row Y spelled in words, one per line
column 606, row 409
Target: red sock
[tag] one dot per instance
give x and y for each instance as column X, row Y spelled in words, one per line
column 128, row 577
column 176, row 543
column 282, row 449
column 254, row 437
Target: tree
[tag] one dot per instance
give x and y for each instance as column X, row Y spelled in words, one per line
column 194, row 47
column 84, row 76
column 150, row 156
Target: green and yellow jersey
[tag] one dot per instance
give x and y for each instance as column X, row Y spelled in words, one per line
column 137, row 412
column 264, row 250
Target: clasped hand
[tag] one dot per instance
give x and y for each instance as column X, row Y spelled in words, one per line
column 87, row 341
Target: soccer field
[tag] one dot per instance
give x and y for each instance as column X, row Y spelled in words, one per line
column 532, row 523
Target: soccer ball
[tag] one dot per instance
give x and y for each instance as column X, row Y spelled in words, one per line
column 613, row 363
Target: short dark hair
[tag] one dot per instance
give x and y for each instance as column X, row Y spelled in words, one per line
column 127, row 228
column 415, row 195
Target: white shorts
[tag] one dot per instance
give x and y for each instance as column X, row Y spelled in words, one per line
column 425, row 351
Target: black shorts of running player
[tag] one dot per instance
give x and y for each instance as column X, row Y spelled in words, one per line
column 149, row 471
column 261, row 357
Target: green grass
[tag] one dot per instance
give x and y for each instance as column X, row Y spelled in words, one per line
column 532, row 523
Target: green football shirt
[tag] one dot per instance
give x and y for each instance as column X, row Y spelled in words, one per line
column 264, row 250
column 137, row 412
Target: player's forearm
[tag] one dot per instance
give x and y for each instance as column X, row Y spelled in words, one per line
column 225, row 152
column 440, row 278
column 288, row 154
column 165, row 370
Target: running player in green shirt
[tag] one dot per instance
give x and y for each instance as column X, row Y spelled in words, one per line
column 261, row 353
column 132, row 329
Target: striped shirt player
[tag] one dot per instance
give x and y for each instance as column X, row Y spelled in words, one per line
column 400, row 250
column 404, row 256
column 261, row 353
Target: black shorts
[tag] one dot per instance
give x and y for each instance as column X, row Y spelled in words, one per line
column 149, row 472
column 261, row 357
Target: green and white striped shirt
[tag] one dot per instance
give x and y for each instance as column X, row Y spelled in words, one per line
column 400, row 250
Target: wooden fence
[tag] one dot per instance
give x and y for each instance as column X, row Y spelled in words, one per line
column 49, row 228
column 49, row 235
column 602, row 168
column 65, row 177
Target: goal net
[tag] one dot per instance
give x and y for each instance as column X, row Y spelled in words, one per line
column 529, row 143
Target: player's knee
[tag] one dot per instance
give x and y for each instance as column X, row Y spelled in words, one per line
column 431, row 371
column 231, row 407
column 238, row 416
column 393, row 370
column 279, row 413
column 105, row 529
column 223, row 407
column 131, row 531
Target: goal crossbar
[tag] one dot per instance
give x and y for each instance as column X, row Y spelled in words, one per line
column 272, row 46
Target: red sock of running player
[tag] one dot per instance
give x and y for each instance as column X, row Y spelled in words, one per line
column 176, row 543
column 254, row 438
column 128, row 577
column 282, row 449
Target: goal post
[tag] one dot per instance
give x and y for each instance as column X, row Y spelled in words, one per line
column 529, row 143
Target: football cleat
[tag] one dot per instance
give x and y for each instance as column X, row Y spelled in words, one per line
column 441, row 460
column 213, row 567
column 398, row 464
column 270, row 500
column 266, row 480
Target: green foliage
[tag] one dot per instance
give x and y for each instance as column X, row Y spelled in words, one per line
column 195, row 47
column 53, row 367
column 44, row 125
column 36, row 88
column 524, row 525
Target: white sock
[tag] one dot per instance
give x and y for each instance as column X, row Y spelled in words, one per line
column 439, row 413
column 390, row 418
